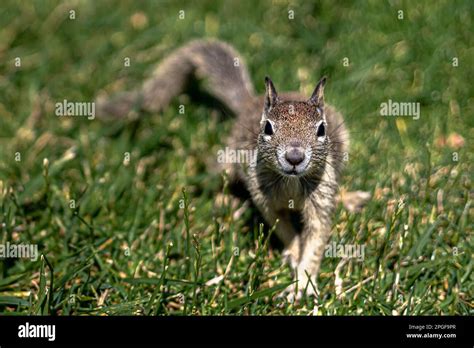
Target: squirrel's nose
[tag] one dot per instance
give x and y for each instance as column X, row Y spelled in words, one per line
column 294, row 156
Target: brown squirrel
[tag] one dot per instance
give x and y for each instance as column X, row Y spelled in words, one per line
column 300, row 144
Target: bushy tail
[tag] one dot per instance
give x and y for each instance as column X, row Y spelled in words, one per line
column 221, row 68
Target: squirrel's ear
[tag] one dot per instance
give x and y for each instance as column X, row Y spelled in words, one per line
column 317, row 98
column 271, row 96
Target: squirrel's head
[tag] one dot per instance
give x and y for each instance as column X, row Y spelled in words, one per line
column 293, row 135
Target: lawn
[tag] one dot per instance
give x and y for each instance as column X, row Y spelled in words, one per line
column 129, row 220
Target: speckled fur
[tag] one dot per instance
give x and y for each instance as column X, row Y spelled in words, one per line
column 312, row 195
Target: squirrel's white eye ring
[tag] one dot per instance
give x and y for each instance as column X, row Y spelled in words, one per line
column 268, row 130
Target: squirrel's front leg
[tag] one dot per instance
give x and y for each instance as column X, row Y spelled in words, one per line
column 317, row 224
column 316, row 233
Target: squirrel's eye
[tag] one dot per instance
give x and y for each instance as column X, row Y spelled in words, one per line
column 268, row 128
column 321, row 130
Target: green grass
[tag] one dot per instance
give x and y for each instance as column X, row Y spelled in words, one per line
column 133, row 242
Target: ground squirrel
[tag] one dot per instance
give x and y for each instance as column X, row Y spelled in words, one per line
column 300, row 145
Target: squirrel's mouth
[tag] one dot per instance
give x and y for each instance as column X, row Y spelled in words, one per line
column 293, row 172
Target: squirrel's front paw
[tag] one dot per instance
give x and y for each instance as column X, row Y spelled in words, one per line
column 295, row 291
